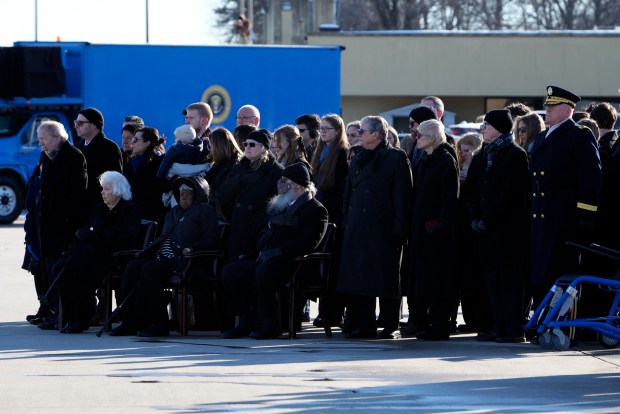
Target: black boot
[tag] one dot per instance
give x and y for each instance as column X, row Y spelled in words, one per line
column 243, row 328
column 267, row 329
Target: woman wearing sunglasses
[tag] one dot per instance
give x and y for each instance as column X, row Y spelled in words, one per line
column 146, row 156
column 527, row 128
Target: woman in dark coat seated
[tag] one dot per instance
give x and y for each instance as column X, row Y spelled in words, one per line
column 114, row 225
column 191, row 224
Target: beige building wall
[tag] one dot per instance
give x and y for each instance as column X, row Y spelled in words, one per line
column 381, row 71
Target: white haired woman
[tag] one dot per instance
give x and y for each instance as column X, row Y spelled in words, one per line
column 435, row 207
column 114, row 225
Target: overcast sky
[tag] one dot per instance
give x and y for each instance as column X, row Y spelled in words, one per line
column 179, row 22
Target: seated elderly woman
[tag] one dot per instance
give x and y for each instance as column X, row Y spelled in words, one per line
column 191, row 224
column 114, row 225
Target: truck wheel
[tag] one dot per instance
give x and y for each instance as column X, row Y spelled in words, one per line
column 11, row 200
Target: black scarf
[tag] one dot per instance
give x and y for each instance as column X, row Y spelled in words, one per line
column 491, row 150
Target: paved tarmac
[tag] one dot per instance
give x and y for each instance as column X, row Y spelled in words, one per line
column 47, row 372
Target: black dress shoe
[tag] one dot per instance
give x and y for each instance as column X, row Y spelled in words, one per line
column 486, row 337
column 411, row 330
column 38, row 320
column 48, row 324
column 466, row 328
column 74, row 327
column 433, row 336
column 237, row 332
column 267, row 329
column 264, row 334
column 361, row 334
column 153, row 331
column 124, row 329
column 319, row 322
column 510, row 339
column 388, row 333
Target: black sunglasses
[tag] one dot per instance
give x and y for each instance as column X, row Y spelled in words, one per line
column 249, row 144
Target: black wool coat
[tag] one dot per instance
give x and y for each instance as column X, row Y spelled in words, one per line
column 298, row 236
column 376, row 221
column 216, row 176
column 244, row 196
column 195, row 227
column 566, row 183
column 146, row 189
column 102, row 154
column 60, row 208
column 433, row 226
column 333, row 198
column 503, row 204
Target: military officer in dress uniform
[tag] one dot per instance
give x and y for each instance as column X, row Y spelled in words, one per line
column 566, row 182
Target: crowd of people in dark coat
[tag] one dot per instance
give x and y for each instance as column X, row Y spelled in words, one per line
column 479, row 221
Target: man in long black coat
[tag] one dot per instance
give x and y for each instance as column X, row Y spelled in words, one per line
column 101, row 153
column 378, row 196
column 566, row 183
column 501, row 220
column 59, row 208
column 297, row 223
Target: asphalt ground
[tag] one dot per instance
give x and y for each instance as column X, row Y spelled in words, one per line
column 48, row 372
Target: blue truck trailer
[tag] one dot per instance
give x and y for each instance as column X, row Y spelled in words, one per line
column 54, row 80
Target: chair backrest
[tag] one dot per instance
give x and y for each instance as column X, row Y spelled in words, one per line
column 223, row 227
column 327, row 242
column 148, row 230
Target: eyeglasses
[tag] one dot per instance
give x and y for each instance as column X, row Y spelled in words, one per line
column 249, row 144
column 136, row 139
column 353, row 135
column 325, row 129
column 302, row 130
column 361, row 131
column 521, row 130
column 80, row 123
column 484, row 125
column 245, row 117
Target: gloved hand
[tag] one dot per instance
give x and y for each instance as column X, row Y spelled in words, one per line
column 284, row 220
column 268, row 254
column 85, row 233
column 478, row 226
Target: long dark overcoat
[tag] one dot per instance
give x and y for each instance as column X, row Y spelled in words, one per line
column 377, row 206
column 433, row 226
column 333, row 198
column 102, row 154
column 503, row 205
column 566, row 183
column 60, row 208
column 244, row 196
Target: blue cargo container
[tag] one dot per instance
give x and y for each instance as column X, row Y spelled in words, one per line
column 156, row 83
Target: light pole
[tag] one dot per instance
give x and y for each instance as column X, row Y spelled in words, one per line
column 36, row 20
column 147, row 22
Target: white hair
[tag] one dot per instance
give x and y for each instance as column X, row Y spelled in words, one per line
column 120, row 185
column 55, row 128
